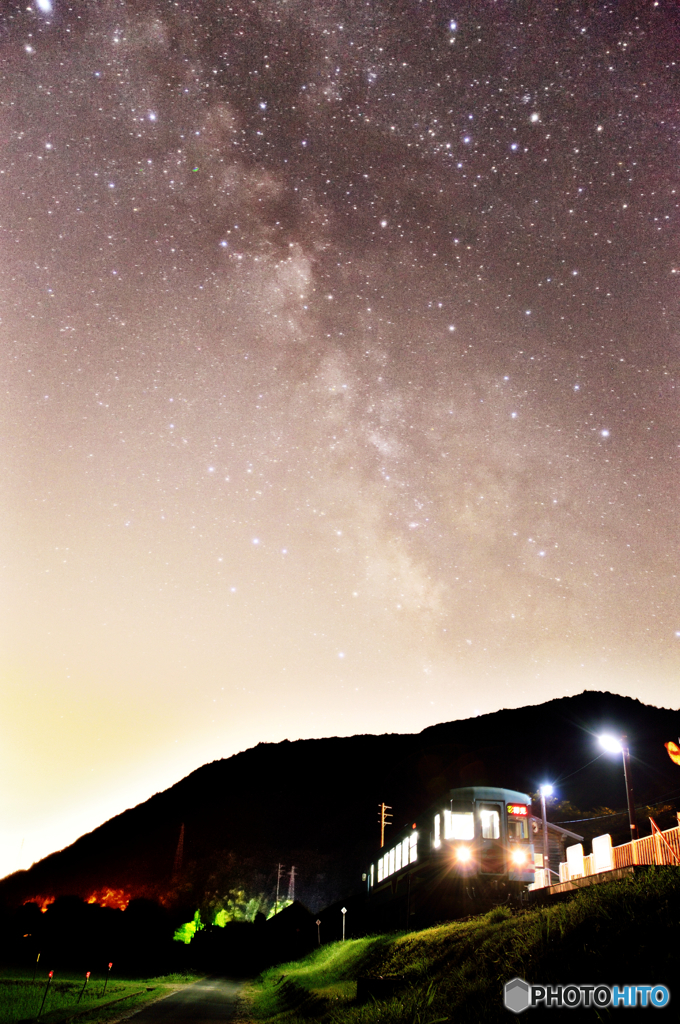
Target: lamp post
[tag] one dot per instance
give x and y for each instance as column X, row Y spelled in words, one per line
column 545, row 791
column 615, row 746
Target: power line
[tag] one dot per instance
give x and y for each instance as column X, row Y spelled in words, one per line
column 613, row 814
column 563, row 778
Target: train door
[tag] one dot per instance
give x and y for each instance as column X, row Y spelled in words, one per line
column 491, row 839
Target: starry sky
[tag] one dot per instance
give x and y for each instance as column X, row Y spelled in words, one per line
column 339, row 352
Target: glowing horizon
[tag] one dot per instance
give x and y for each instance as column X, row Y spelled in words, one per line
column 341, row 382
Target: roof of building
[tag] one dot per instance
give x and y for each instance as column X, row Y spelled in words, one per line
column 558, row 828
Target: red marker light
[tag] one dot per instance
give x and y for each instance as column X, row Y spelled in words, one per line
column 51, row 974
column 110, row 966
column 519, row 810
column 87, row 975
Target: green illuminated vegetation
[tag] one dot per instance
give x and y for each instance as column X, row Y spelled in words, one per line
column 21, row 997
column 186, row 932
column 276, row 909
column 238, row 906
column 235, row 906
column 611, row 934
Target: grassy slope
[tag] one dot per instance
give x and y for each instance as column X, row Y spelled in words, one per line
column 20, row 997
column 625, row 932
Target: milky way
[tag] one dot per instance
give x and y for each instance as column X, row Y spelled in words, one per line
column 341, row 356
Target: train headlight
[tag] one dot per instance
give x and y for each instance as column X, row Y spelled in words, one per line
column 519, row 857
column 463, row 854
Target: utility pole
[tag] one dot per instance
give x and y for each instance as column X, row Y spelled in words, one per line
column 383, row 820
column 629, row 791
column 279, row 873
column 291, row 884
column 179, row 853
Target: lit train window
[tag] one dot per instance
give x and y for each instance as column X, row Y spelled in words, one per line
column 404, row 852
column 391, row 871
column 437, row 831
column 372, row 881
column 491, row 823
column 459, row 826
column 397, row 857
column 518, row 828
column 413, row 847
column 380, row 870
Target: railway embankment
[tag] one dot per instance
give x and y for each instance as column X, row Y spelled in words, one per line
column 624, row 932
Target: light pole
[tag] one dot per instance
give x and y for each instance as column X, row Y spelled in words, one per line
column 615, row 746
column 545, row 791
column 344, row 911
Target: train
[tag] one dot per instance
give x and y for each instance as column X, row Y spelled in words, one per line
column 466, row 853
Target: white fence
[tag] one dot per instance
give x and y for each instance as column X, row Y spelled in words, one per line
column 657, row 848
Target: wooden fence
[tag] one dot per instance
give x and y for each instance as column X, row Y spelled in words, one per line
column 659, row 848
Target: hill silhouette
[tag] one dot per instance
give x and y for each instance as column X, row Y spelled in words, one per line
column 313, row 803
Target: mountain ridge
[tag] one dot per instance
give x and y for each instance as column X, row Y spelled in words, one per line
column 313, row 802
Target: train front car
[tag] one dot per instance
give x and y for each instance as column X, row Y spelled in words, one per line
column 464, row 855
column 486, row 839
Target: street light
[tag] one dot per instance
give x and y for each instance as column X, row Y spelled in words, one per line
column 545, row 791
column 615, row 746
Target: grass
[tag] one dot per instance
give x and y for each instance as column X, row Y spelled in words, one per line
column 21, row 997
column 624, row 932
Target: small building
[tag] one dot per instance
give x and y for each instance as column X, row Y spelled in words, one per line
column 558, row 840
column 291, row 933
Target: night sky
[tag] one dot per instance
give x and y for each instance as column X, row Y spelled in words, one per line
column 340, row 350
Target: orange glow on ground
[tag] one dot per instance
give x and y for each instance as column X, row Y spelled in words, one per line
column 116, row 899
column 42, row 901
